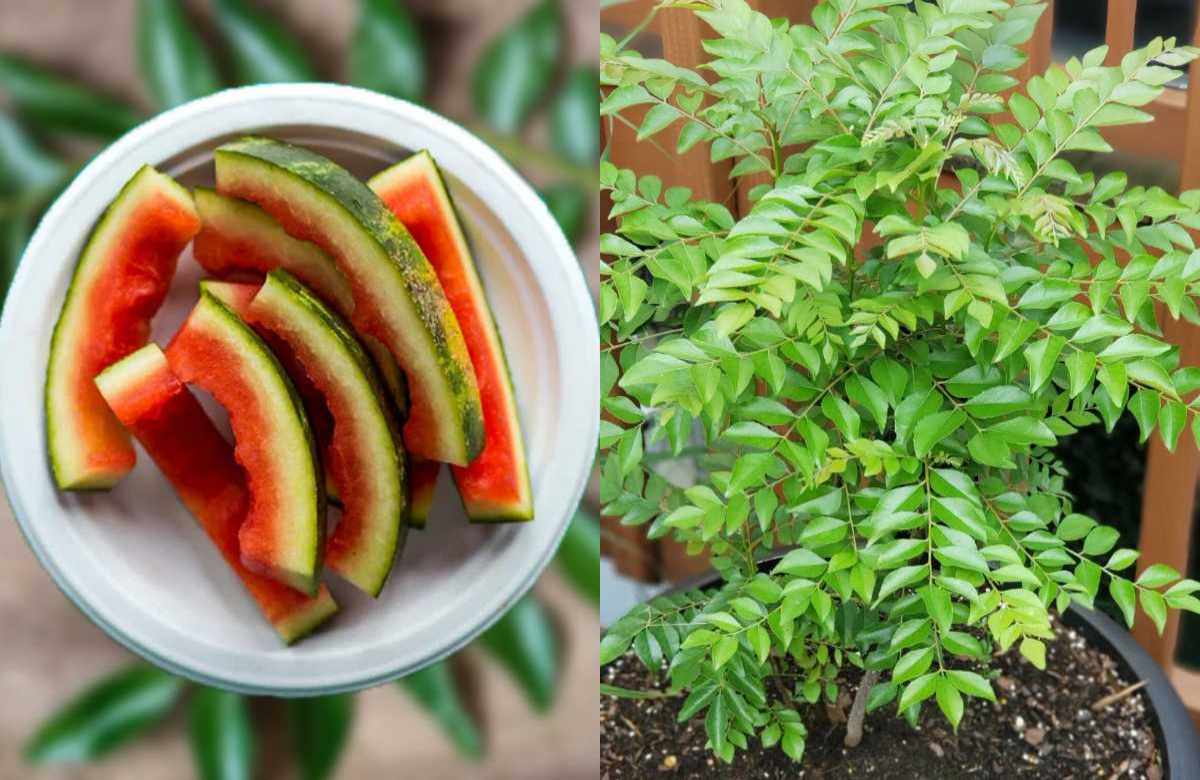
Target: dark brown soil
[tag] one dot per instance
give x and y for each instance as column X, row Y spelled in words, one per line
column 1041, row 726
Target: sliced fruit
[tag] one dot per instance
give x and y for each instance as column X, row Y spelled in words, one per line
column 364, row 458
column 284, row 533
column 495, row 486
column 422, row 482
column 236, row 236
column 120, row 281
column 176, row 433
column 239, row 238
column 397, row 297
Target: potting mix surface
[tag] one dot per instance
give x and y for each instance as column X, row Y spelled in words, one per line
column 1044, row 724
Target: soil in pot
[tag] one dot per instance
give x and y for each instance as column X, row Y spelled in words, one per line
column 1042, row 725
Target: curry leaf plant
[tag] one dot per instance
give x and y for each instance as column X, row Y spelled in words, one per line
column 868, row 367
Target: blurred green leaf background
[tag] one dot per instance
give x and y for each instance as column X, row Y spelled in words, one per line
column 526, row 89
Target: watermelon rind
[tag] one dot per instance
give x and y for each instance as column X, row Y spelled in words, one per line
column 495, row 487
column 398, row 298
column 87, row 448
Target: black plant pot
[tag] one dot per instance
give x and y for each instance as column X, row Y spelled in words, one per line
column 1176, row 734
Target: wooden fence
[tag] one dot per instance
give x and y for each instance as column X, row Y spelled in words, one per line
column 1171, row 479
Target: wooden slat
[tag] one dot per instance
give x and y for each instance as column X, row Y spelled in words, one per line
column 1038, row 48
column 677, row 32
column 1187, row 683
column 1118, row 30
column 1189, row 174
column 1169, row 501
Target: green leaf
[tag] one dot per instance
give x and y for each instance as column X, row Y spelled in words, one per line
column 1157, row 575
column 1081, row 366
column 990, row 450
column 174, row 63
column 801, row 563
column 1034, row 651
column 1114, row 378
column 1155, row 607
column 751, row 434
column 1122, row 559
column 525, row 644
column 435, row 689
column 1122, row 592
column 1024, row 431
column 1042, row 357
column 723, row 650
column 716, row 721
column 263, row 52
column 14, row 233
column 1025, row 110
column 319, row 728
column 105, row 716
column 971, row 684
column 27, row 173
column 912, row 664
column 1074, row 527
column 55, row 103
column 574, row 129
column 998, row 401
column 579, row 555
column 613, row 645
column 934, row 428
column 1144, row 408
column 950, row 701
column 1100, row 540
column 900, row 578
column 918, row 690
column 517, row 68
column 569, row 205
column 1171, row 421
column 387, row 54
column 220, row 734
column 1134, row 345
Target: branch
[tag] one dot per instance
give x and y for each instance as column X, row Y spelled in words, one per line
column 858, row 711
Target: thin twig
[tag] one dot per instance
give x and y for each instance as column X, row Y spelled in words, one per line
column 1113, row 698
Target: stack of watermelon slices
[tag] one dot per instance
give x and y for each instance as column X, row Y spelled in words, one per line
column 348, row 336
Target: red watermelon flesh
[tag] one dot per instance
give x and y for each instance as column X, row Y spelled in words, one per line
column 363, row 457
column 422, row 482
column 120, row 281
column 284, row 533
column 495, row 486
column 177, row 434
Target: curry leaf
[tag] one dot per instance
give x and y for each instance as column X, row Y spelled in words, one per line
column 109, row 714
column 221, row 736
column 517, row 68
column 387, row 53
column 263, row 51
column 174, row 63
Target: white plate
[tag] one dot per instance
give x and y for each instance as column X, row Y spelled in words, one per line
column 135, row 561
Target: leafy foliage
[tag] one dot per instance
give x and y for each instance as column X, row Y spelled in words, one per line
column 875, row 359
column 387, row 54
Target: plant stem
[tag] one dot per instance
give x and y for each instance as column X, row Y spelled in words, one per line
column 858, row 710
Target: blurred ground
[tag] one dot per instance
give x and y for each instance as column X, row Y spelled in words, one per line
column 48, row 650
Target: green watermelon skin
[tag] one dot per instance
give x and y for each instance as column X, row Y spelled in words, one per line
column 495, row 487
column 173, row 429
column 119, row 282
column 284, row 533
column 363, row 457
column 397, row 296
